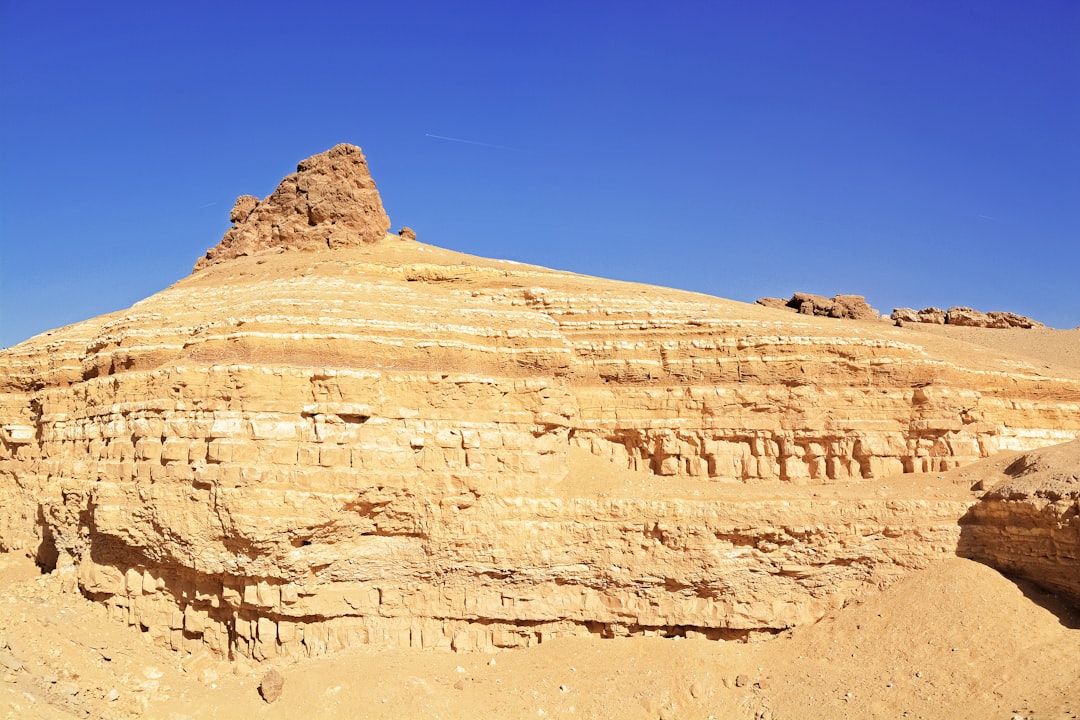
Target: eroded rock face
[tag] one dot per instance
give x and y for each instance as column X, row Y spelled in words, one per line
column 397, row 444
column 852, row 307
column 964, row 316
column 1028, row 521
column 331, row 201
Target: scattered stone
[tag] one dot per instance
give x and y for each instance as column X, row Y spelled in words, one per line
column 904, row 315
column 8, row 662
column 67, row 689
column 271, row 686
column 966, row 317
column 741, row 681
column 963, row 316
column 773, row 302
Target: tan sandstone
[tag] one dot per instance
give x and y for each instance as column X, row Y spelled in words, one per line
column 331, row 201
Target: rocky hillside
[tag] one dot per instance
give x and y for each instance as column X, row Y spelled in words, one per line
column 329, row 436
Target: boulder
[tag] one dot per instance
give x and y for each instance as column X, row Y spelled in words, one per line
column 932, row 315
column 966, row 317
column 903, row 315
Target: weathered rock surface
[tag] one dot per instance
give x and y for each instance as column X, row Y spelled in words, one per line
column 1028, row 521
column 330, row 201
column 271, row 686
column 964, row 316
column 294, row 452
column 853, row 307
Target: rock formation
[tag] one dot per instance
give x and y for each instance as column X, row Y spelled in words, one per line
column 330, row 201
column 964, row 316
column 1028, row 521
column 853, row 307
column 290, row 452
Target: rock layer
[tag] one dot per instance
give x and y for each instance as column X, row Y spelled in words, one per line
column 297, row 451
column 1028, row 521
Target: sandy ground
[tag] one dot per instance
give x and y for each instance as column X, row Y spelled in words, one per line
column 1044, row 346
column 957, row 640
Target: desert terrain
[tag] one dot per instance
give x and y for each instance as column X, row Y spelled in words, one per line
column 337, row 472
column 954, row 640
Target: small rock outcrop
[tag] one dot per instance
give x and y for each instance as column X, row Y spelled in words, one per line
column 1028, row 521
column 853, row 307
column 330, row 201
column 964, row 316
column 407, row 233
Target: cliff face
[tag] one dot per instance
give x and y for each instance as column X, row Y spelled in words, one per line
column 298, row 450
column 1027, row 522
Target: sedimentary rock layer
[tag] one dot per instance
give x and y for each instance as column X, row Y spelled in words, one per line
column 1028, row 521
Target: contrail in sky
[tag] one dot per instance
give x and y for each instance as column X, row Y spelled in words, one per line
column 472, row 142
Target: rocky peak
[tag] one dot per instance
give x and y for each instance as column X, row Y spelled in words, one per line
column 330, row 201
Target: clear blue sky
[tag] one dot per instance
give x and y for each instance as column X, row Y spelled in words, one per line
column 917, row 153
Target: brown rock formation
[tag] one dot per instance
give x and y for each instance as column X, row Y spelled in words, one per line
column 853, row 307
column 964, row 317
column 397, row 444
column 330, row 201
column 1028, row 521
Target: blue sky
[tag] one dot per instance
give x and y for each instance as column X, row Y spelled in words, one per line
column 917, row 153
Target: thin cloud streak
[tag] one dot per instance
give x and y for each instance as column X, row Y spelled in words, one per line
column 473, row 142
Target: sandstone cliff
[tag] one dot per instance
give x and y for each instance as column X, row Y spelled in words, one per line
column 1027, row 522
column 317, row 440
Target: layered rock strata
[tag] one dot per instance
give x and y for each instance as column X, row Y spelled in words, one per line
column 1027, row 522
column 295, row 451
